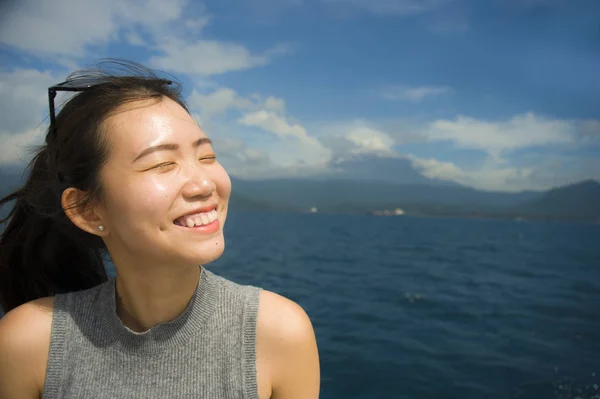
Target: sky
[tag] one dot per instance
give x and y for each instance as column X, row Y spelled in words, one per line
column 493, row 94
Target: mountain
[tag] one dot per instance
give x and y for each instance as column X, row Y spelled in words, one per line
column 580, row 200
column 346, row 194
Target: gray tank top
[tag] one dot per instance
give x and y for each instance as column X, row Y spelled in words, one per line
column 209, row 351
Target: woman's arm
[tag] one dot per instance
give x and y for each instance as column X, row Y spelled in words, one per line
column 24, row 345
column 289, row 346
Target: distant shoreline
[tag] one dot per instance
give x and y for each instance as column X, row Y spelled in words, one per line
column 441, row 215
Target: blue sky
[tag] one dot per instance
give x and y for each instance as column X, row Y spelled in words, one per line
column 494, row 94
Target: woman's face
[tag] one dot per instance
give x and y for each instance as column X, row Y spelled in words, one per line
column 165, row 195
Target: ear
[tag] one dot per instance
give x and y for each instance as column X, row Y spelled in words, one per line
column 85, row 217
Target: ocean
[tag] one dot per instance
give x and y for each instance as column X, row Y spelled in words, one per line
column 407, row 307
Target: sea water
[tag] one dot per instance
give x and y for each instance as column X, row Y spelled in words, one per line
column 407, row 307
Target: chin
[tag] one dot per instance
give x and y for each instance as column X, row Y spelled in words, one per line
column 209, row 251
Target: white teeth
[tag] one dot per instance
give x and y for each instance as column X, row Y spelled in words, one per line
column 199, row 219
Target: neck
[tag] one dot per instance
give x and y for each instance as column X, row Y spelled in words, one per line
column 152, row 295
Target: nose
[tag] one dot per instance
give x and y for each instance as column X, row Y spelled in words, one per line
column 198, row 183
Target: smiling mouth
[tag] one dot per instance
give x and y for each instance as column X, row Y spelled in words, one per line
column 197, row 219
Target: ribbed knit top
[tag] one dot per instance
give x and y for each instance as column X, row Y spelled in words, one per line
column 209, row 351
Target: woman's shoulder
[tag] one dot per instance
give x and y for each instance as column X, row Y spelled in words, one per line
column 24, row 346
column 288, row 349
column 27, row 322
column 281, row 315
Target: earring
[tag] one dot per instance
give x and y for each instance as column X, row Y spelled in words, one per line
column 101, row 227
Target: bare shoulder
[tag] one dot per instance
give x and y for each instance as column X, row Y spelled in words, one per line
column 283, row 318
column 27, row 326
column 289, row 347
column 24, row 344
column 42, row 307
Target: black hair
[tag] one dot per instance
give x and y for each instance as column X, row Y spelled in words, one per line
column 42, row 253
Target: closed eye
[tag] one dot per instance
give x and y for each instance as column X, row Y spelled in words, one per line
column 209, row 159
column 163, row 165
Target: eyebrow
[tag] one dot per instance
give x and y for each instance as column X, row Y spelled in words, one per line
column 171, row 147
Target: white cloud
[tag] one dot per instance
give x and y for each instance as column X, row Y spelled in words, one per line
column 493, row 176
column 171, row 29
column 217, row 102
column 435, row 169
column 39, row 27
column 224, row 99
column 154, row 11
column 198, row 24
column 237, row 149
column 134, row 38
column 205, row 57
column 394, row 7
column 496, row 138
column 370, row 140
column 23, row 98
column 415, row 94
column 348, row 138
column 278, row 125
column 275, row 104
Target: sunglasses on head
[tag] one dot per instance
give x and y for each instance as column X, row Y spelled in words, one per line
column 77, row 85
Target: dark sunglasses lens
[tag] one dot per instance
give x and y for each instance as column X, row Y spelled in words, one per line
column 79, row 83
column 87, row 82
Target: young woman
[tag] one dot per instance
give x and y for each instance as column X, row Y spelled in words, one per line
column 126, row 171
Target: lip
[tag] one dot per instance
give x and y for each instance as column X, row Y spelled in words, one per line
column 196, row 211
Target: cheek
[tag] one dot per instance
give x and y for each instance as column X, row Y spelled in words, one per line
column 140, row 201
column 154, row 196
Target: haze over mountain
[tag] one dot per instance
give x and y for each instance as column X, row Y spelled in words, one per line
column 380, row 168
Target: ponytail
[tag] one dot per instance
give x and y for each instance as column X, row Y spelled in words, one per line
column 42, row 253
